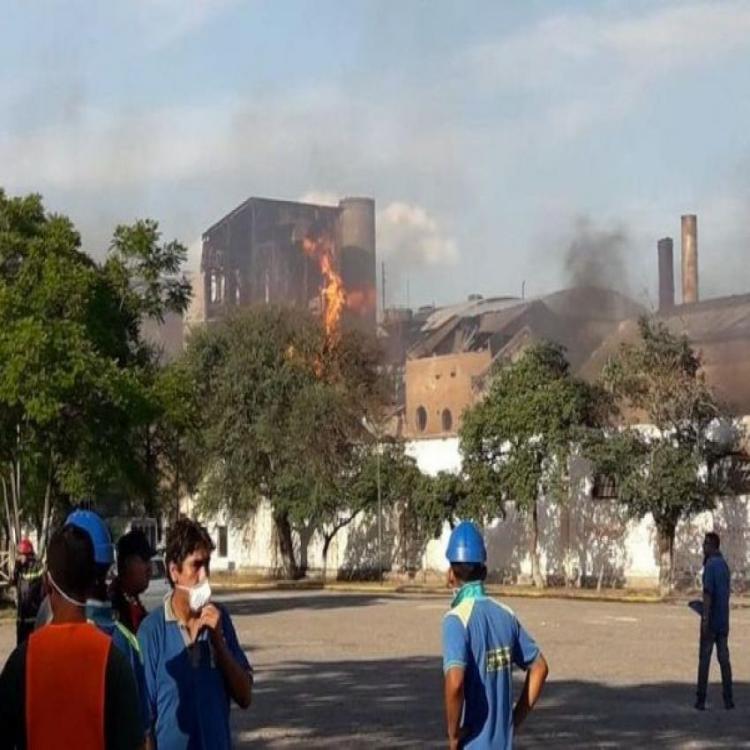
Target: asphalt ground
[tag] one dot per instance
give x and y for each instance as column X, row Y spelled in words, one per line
column 336, row 670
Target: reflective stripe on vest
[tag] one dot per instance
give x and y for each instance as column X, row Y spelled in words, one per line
column 66, row 667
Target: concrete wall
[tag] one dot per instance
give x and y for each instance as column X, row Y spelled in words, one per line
column 587, row 540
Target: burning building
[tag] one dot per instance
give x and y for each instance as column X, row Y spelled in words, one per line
column 320, row 258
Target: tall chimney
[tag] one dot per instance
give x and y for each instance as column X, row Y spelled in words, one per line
column 665, row 248
column 689, row 259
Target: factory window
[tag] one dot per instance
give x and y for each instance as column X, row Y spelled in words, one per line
column 217, row 286
column 223, row 544
column 421, row 418
column 447, row 420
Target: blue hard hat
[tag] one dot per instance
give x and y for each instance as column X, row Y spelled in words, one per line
column 94, row 526
column 466, row 544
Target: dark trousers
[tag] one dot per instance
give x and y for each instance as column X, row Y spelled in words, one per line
column 704, row 661
column 24, row 628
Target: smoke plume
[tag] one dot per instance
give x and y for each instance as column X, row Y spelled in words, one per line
column 596, row 257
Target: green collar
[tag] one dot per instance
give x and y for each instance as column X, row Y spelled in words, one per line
column 470, row 590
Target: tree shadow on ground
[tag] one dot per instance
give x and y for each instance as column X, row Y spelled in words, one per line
column 593, row 715
column 398, row 704
column 261, row 604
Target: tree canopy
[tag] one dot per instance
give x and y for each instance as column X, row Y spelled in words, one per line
column 282, row 406
column 73, row 381
column 516, row 442
column 663, row 466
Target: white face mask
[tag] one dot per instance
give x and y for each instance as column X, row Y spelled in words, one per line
column 200, row 594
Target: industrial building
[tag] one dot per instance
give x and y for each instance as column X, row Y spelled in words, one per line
column 320, row 258
column 455, row 348
column 451, row 350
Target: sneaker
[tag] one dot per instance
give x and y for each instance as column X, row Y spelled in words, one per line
column 700, row 705
column 729, row 705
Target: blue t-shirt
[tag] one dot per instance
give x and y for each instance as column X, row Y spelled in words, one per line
column 716, row 582
column 485, row 639
column 102, row 615
column 186, row 689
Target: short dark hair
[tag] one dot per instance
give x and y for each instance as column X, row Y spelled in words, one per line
column 713, row 538
column 466, row 572
column 70, row 561
column 133, row 544
column 184, row 538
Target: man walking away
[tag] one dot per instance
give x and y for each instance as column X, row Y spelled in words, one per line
column 66, row 687
column 133, row 574
column 714, row 621
column 482, row 640
column 194, row 663
column 27, row 579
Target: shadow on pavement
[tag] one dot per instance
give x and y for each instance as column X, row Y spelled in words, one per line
column 261, row 604
column 398, row 704
column 379, row 704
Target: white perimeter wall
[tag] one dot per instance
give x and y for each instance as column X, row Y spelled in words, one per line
column 586, row 539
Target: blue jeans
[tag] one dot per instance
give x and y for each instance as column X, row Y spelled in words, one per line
column 704, row 661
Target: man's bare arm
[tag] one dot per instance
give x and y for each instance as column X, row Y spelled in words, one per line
column 532, row 689
column 454, row 703
column 239, row 681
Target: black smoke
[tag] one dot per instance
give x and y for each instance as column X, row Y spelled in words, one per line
column 596, row 256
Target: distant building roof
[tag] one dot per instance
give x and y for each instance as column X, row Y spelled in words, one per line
column 719, row 329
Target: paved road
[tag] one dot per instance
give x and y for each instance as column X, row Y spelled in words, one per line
column 346, row 671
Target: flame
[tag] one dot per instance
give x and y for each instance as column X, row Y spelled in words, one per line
column 334, row 296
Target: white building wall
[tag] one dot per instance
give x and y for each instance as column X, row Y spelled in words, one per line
column 585, row 539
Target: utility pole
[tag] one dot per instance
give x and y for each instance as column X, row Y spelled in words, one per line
column 382, row 290
column 378, row 448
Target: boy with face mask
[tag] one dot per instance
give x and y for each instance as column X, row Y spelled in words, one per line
column 193, row 661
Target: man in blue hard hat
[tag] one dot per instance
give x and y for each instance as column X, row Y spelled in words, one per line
column 99, row 609
column 482, row 640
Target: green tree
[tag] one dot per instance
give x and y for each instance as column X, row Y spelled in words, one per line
column 517, row 441
column 282, row 407
column 72, row 388
column 350, row 491
column 662, row 467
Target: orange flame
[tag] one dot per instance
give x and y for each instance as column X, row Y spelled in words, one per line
column 334, row 296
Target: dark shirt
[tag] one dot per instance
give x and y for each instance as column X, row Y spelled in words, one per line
column 122, row 722
column 29, row 591
column 716, row 582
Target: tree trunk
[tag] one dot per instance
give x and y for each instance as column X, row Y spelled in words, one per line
column 327, row 539
column 12, row 537
column 666, row 533
column 536, row 568
column 15, row 486
column 46, row 516
column 286, row 545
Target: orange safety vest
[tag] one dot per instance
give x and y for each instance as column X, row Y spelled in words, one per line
column 66, row 668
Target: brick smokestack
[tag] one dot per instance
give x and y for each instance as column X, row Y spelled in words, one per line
column 689, row 259
column 665, row 248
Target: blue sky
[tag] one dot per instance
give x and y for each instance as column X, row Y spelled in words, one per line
column 489, row 133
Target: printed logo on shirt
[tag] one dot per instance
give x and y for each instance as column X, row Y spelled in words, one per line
column 498, row 659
